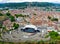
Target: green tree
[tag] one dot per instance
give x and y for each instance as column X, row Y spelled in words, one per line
column 12, row 18
column 15, row 26
column 49, row 17
column 21, row 15
column 1, row 14
column 58, row 38
column 34, row 13
column 38, row 42
column 54, row 19
column 0, row 25
column 16, row 15
column 53, row 34
column 8, row 14
column 4, row 29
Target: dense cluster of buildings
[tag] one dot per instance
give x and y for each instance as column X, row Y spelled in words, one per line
column 36, row 17
column 39, row 19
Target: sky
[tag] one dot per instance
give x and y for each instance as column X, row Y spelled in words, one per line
column 9, row 1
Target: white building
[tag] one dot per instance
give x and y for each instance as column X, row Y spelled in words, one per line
column 19, row 19
column 30, row 26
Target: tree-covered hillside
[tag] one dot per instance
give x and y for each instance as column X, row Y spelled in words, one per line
column 25, row 4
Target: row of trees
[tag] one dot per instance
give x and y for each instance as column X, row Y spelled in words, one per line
column 52, row 19
column 21, row 15
column 31, row 42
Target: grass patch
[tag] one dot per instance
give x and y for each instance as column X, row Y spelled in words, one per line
column 2, row 18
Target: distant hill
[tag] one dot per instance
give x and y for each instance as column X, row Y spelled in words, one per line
column 25, row 4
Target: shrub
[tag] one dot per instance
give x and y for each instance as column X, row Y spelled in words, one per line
column 34, row 14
